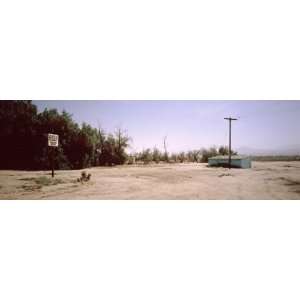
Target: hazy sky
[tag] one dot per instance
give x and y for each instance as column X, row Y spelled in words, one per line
column 192, row 124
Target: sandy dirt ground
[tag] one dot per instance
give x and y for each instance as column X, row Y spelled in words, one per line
column 266, row 180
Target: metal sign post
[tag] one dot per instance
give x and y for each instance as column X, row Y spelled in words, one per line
column 52, row 142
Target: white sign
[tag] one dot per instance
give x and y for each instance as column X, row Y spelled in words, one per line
column 52, row 140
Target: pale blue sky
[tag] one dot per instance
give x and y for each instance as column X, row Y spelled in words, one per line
column 192, row 124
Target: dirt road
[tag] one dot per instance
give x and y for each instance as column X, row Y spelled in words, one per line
column 266, row 180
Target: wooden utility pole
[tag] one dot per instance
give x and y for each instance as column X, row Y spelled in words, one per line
column 229, row 156
column 165, row 147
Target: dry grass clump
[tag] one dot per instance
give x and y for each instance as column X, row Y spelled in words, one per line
column 84, row 177
column 36, row 183
column 292, row 182
column 225, row 174
column 43, row 180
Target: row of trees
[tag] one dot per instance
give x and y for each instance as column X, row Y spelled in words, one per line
column 155, row 156
column 23, row 135
column 24, row 132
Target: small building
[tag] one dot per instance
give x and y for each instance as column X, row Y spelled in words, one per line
column 237, row 161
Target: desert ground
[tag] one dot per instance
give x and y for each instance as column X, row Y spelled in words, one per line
column 265, row 180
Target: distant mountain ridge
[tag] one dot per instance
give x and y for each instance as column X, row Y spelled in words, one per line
column 290, row 150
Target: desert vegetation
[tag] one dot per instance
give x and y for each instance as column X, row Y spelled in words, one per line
column 84, row 177
column 195, row 156
column 276, row 158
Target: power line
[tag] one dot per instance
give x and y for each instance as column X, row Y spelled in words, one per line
column 229, row 156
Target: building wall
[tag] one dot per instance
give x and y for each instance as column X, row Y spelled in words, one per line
column 244, row 163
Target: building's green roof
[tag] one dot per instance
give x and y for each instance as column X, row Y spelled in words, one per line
column 226, row 157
